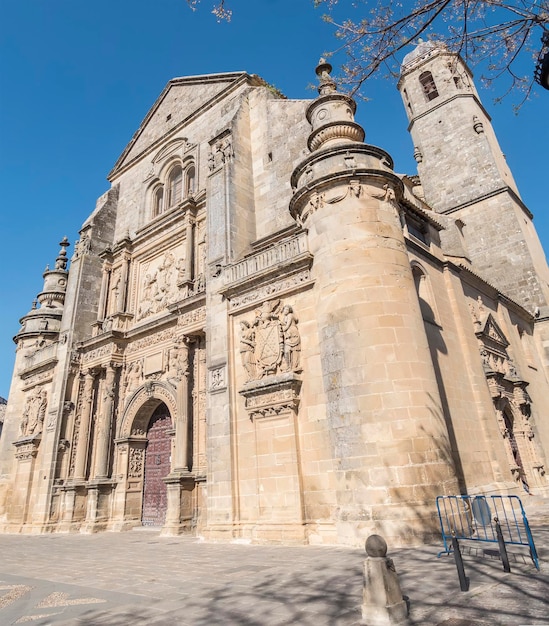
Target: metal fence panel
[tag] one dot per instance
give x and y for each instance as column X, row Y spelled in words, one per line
column 474, row 518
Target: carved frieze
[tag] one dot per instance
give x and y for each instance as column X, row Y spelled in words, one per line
column 275, row 287
column 26, row 448
column 99, row 354
column 191, row 317
column 150, row 340
column 273, row 396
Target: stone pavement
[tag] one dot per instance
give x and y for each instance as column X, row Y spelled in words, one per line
column 139, row 578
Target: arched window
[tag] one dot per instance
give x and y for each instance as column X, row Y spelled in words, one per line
column 428, row 83
column 174, row 186
column 158, row 201
column 190, row 176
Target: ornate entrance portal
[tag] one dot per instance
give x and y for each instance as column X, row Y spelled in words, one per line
column 157, row 467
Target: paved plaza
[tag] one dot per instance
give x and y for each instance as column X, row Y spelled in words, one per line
column 139, row 578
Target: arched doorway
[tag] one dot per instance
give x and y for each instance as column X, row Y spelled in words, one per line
column 156, row 467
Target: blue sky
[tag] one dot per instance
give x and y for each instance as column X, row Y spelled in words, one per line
column 77, row 78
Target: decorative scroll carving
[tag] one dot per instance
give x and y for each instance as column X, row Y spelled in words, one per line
column 271, row 343
column 77, row 421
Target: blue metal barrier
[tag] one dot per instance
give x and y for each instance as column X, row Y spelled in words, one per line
column 476, row 518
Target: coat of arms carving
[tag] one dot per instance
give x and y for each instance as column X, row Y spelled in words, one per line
column 271, row 343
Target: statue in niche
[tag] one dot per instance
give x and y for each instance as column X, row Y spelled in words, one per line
column 134, row 375
column 292, row 339
column 83, row 245
column 272, row 343
column 106, row 326
column 181, row 270
column 247, row 348
column 115, row 287
column 178, row 360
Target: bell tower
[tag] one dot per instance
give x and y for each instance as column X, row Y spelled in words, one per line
column 464, row 173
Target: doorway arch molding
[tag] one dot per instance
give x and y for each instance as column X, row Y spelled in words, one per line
column 135, row 420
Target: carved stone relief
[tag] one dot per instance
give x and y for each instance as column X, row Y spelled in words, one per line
column 135, row 463
column 133, row 377
column 270, row 343
column 34, row 413
column 221, row 152
column 178, row 360
column 218, row 378
column 159, row 284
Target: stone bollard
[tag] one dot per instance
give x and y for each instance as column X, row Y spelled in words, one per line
column 383, row 604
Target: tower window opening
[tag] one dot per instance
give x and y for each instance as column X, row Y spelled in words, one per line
column 190, row 176
column 158, row 205
column 407, row 101
column 428, row 84
column 174, row 186
column 417, row 229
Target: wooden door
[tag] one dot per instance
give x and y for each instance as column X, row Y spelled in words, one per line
column 157, row 466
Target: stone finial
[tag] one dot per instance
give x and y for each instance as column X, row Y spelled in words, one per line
column 61, row 261
column 327, row 84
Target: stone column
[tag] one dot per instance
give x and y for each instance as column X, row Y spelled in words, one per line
column 102, row 308
column 189, row 253
column 122, row 294
column 84, row 433
column 105, row 422
column 91, row 509
column 67, row 508
column 180, row 460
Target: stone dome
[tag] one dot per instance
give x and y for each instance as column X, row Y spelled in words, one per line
column 422, row 50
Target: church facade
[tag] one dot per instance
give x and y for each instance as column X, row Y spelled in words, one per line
column 267, row 334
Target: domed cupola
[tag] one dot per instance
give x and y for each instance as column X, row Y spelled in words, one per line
column 45, row 320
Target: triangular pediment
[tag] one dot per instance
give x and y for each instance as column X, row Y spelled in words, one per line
column 181, row 100
column 492, row 333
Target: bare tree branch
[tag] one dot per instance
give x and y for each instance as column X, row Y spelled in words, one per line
column 374, row 32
